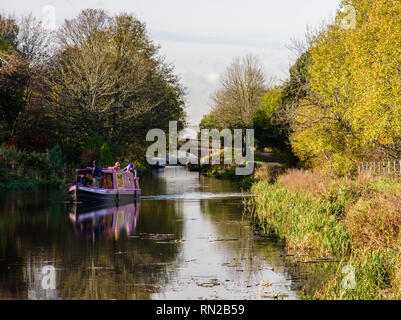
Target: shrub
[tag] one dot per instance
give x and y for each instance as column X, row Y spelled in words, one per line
column 56, row 157
column 106, row 155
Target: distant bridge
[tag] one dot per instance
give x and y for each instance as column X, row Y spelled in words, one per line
column 185, row 157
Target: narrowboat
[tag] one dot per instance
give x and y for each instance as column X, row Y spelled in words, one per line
column 116, row 187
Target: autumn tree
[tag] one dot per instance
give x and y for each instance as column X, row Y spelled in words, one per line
column 13, row 76
column 107, row 78
column 241, row 88
column 352, row 108
column 23, row 67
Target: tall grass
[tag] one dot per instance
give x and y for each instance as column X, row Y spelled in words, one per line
column 356, row 221
column 307, row 224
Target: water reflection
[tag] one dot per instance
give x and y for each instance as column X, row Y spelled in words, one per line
column 126, row 260
column 188, row 238
column 111, row 222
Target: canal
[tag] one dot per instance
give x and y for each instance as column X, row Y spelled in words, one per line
column 188, row 238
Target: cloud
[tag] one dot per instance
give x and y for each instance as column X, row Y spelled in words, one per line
column 213, row 77
column 262, row 42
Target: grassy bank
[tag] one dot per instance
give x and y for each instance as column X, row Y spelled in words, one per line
column 30, row 170
column 263, row 171
column 227, row 172
column 24, row 170
column 12, row 181
column 356, row 222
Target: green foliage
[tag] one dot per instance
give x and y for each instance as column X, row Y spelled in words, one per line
column 106, row 155
column 136, row 89
column 110, row 86
column 37, row 161
column 91, row 149
column 206, row 122
column 296, row 87
column 12, row 103
column 270, row 130
column 56, row 157
column 267, row 132
column 357, row 222
column 307, row 224
column 8, row 32
column 29, row 170
column 373, row 277
column 94, row 142
column 13, row 77
column 271, row 102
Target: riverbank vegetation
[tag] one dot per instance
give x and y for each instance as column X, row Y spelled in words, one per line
column 93, row 87
column 353, row 221
column 31, row 170
column 340, row 104
column 340, row 107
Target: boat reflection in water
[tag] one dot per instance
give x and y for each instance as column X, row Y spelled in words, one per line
column 91, row 221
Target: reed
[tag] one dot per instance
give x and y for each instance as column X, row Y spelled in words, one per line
column 355, row 221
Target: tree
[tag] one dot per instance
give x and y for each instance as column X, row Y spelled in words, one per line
column 267, row 132
column 352, row 109
column 242, row 87
column 13, row 77
column 206, row 122
column 106, row 155
column 23, row 64
column 270, row 131
column 108, row 79
column 56, row 157
column 296, row 88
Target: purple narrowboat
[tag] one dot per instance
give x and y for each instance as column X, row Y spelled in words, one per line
column 116, row 187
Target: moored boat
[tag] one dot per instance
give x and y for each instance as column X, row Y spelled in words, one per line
column 116, row 186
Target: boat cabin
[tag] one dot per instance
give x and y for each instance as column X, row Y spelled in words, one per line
column 111, row 179
column 116, row 186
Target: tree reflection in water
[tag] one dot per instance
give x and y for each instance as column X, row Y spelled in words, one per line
column 188, row 238
column 100, row 254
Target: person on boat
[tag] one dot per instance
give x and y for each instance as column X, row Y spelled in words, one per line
column 131, row 168
column 117, row 166
column 83, row 180
column 97, row 173
column 89, row 179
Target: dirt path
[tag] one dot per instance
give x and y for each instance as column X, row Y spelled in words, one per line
column 268, row 157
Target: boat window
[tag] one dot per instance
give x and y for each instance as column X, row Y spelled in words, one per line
column 127, row 180
column 109, row 181
column 120, row 181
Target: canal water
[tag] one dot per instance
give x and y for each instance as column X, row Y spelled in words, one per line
column 188, row 238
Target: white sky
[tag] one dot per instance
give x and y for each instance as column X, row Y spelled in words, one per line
column 202, row 37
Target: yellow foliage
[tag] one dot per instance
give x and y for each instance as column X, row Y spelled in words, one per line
column 354, row 100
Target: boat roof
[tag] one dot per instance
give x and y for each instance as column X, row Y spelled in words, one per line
column 103, row 170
